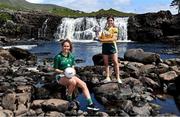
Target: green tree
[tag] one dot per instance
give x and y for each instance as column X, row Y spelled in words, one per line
column 176, row 3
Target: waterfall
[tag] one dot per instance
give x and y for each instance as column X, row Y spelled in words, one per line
column 82, row 28
column 42, row 31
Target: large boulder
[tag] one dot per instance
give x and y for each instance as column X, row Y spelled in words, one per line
column 6, row 55
column 98, row 59
column 138, row 55
column 19, row 53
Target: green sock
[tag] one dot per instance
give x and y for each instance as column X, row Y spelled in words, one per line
column 89, row 100
column 69, row 97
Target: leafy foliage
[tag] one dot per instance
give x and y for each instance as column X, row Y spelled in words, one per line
column 4, row 17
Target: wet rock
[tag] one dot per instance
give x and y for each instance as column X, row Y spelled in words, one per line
column 23, row 89
column 51, row 104
column 22, row 109
column 18, row 103
column 170, row 75
column 97, row 59
column 127, row 105
column 132, row 70
column 6, row 113
column 143, row 111
column 176, row 69
column 8, row 101
column 55, row 114
column 30, row 112
column 106, row 88
column 41, row 93
column 103, row 114
column 138, row 55
column 162, row 68
column 5, row 70
column 149, row 82
column 172, row 62
column 6, row 55
column 23, row 54
column 22, row 71
column 146, row 69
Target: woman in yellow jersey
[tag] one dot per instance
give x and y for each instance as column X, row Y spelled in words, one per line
column 108, row 37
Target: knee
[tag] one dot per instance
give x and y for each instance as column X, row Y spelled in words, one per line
column 116, row 63
column 72, row 82
column 106, row 63
column 84, row 86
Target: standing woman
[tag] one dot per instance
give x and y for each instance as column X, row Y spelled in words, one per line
column 109, row 47
column 64, row 60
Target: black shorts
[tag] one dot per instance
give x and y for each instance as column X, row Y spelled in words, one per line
column 109, row 48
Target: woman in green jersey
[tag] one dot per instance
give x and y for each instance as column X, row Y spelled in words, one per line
column 64, row 60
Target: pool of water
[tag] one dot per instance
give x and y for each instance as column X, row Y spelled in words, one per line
column 168, row 105
column 85, row 51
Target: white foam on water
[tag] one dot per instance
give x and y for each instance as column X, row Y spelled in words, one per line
column 26, row 47
column 90, row 41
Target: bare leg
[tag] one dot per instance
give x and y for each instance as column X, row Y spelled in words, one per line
column 70, row 83
column 106, row 61
column 81, row 84
column 116, row 64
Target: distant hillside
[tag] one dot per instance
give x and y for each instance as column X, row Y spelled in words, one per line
column 111, row 11
column 24, row 5
column 54, row 9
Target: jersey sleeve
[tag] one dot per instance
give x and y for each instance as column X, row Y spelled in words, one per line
column 115, row 30
column 56, row 62
column 73, row 60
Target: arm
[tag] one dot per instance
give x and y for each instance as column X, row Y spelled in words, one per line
column 56, row 65
column 73, row 63
column 113, row 38
column 109, row 36
column 58, row 71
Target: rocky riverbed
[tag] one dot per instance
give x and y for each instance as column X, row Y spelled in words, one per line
column 29, row 89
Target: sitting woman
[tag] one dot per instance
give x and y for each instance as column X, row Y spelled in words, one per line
column 64, row 60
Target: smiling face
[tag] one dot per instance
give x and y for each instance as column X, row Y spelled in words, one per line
column 66, row 48
column 110, row 22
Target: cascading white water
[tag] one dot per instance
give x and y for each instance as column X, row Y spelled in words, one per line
column 42, row 31
column 82, row 28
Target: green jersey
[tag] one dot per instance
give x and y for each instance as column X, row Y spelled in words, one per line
column 62, row 62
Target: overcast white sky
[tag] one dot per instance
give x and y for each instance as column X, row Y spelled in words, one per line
column 135, row 6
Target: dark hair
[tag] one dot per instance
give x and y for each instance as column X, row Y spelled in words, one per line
column 110, row 17
column 70, row 43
